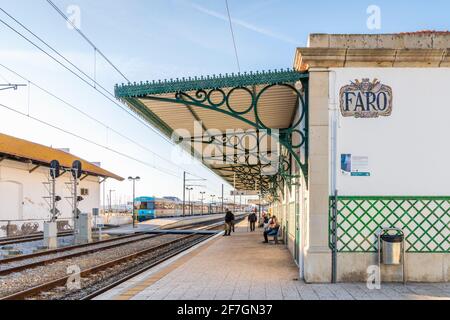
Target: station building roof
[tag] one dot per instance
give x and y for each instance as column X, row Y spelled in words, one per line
column 16, row 149
column 244, row 102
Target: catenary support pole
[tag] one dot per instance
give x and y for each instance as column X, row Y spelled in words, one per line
column 184, row 193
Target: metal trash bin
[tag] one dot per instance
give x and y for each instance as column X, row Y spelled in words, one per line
column 391, row 247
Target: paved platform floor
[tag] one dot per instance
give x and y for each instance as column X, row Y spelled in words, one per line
column 241, row 267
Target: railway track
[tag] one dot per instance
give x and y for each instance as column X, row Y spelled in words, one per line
column 147, row 251
column 23, row 262
column 29, row 238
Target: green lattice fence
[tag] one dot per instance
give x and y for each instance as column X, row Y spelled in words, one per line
column 425, row 220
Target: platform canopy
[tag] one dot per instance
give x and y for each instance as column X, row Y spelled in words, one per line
column 247, row 127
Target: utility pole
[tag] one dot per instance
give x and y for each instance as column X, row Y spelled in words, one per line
column 203, row 198
column 222, row 198
column 184, row 193
column 212, row 200
column 110, row 199
column 188, row 185
column 134, row 179
column 234, row 186
column 240, row 201
column 104, row 195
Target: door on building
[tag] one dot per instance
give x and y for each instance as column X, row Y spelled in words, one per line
column 10, row 200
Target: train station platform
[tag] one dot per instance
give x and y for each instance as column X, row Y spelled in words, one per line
column 164, row 223
column 241, row 267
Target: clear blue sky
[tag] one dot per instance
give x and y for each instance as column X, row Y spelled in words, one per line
column 153, row 39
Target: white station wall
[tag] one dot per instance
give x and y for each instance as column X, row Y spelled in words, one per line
column 25, row 191
column 409, row 151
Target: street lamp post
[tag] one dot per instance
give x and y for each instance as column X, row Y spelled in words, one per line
column 134, row 197
column 203, row 198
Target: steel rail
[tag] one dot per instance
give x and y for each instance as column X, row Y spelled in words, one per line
column 16, row 269
column 22, row 295
column 68, row 248
column 61, row 281
column 29, row 238
column 108, row 287
column 136, row 237
column 102, row 290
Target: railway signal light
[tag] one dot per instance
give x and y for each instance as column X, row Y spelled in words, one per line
column 76, row 169
column 55, row 169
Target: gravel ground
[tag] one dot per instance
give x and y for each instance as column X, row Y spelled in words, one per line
column 29, row 278
column 93, row 246
column 99, row 280
column 32, row 246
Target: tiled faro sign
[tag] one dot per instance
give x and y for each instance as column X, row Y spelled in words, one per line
column 366, row 99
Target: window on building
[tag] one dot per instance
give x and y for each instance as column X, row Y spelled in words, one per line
column 84, row 191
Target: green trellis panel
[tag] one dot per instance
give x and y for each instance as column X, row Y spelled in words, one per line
column 425, row 220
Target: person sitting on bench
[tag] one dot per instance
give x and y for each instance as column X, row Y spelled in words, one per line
column 272, row 230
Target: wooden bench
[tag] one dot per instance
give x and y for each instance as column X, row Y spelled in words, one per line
column 275, row 236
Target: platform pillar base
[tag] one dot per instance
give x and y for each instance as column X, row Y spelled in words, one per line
column 83, row 230
column 50, row 235
column 317, row 267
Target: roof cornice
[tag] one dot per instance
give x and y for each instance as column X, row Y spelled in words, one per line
column 307, row 58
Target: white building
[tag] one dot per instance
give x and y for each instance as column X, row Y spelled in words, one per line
column 378, row 130
column 24, row 177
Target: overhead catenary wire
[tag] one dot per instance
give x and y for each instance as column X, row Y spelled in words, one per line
column 96, row 84
column 87, row 140
column 7, row 81
column 233, row 37
column 70, row 105
column 108, row 95
column 96, row 49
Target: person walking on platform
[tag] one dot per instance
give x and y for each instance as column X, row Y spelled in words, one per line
column 252, row 218
column 228, row 221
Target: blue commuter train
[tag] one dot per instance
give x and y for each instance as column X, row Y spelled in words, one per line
column 149, row 208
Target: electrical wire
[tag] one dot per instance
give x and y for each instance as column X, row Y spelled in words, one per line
column 7, row 81
column 88, row 140
column 232, row 36
column 87, row 115
column 81, row 78
column 87, row 39
column 111, row 97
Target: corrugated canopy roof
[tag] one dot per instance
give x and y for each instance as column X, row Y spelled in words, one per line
column 248, row 102
column 22, row 150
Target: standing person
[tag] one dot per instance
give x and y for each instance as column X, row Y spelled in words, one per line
column 252, row 218
column 228, row 221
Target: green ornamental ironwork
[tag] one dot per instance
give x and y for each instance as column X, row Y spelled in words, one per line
column 425, row 220
column 209, row 93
